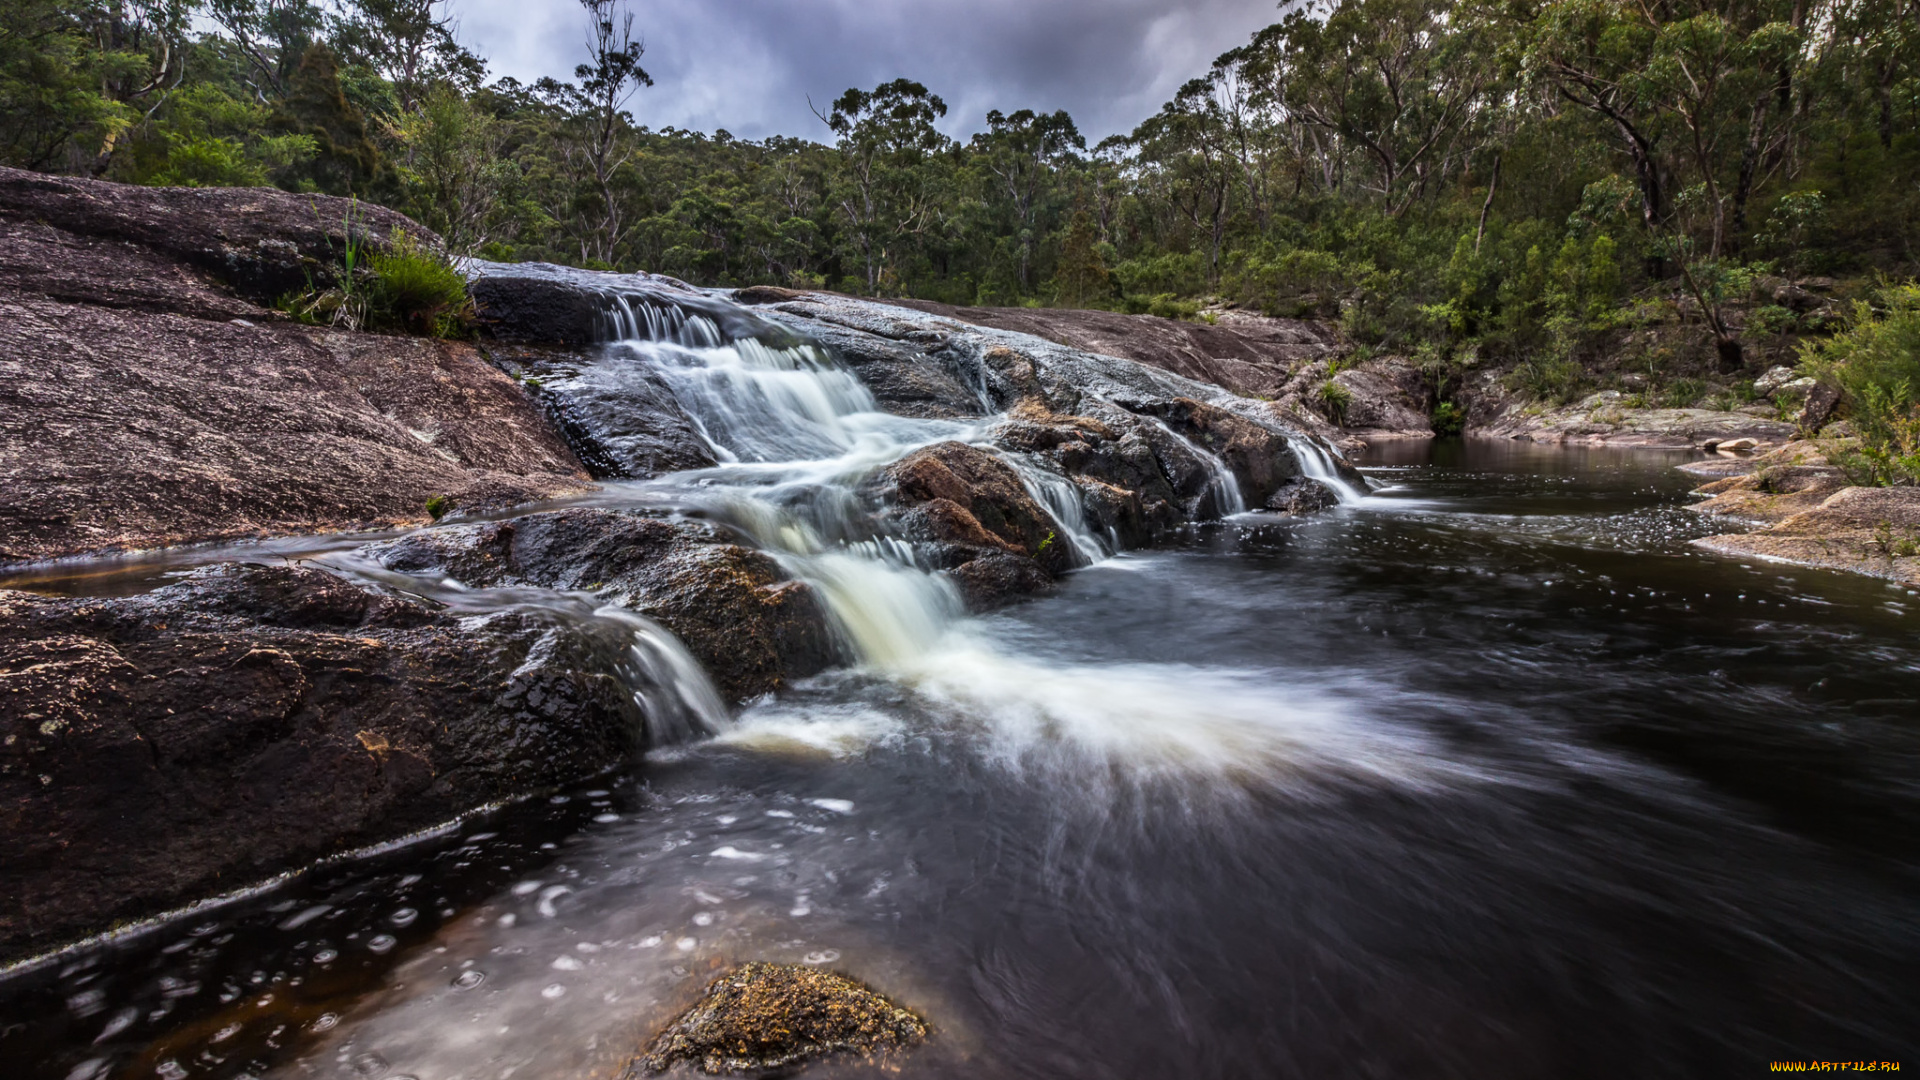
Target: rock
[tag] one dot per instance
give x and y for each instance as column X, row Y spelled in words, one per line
column 1243, row 353
column 1823, row 399
column 1872, row 531
column 1774, row 379
column 1735, row 445
column 260, row 242
column 620, row 417
column 975, row 519
column 161, row 748
column 1770, row 487
column 762, row 1017
column 751, row 627
column 1602, row 419
column 1303, row 496
column 145, row 400
column 541, row 303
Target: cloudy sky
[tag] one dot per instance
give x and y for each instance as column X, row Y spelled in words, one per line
column 748, row 65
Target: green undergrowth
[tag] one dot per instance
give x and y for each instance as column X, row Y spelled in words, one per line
column 403, row 286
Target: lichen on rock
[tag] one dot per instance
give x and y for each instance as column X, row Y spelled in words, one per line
column 761, row 1017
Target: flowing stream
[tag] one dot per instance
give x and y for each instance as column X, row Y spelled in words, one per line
column 1483, row 773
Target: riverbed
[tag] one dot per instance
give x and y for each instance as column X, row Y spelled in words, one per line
column 1486, row 774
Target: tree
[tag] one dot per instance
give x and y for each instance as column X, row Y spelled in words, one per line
column 885, row 136
column 594, row 139
column 409, row 42
column 1023, row 152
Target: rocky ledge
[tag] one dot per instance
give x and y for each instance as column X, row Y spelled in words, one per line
column 158, row 749
column 1084, row 449
column 750, row 626
column 1808, row 513
column 147, row 397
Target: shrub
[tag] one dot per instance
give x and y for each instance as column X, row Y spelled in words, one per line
column 1875, row 362
column 1682, row 393
column 1448, row 419
column 437, row 506
column 1335, row 399
column 416, row 289
column 1548, row 380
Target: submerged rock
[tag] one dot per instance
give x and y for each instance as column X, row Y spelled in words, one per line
column 761, row 1017
column 1302, row 496
column 160, row 748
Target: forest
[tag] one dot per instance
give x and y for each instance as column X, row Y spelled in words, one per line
column 1489, row 181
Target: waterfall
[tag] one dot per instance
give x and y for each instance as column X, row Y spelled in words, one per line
column 795, row 435
column 1317, row 464
column 1221, row 483
column 671, row 690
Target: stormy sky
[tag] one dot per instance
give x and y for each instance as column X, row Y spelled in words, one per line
column 748, row 65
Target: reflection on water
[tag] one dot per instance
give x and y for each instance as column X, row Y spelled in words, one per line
column 1489, row 774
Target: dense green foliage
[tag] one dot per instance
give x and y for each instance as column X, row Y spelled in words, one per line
column 1876, row 361
column 1526, row 183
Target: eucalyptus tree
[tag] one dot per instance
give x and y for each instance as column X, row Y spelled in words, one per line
column 885, row 191
column 594, row 140
column 1026, row 153
column 410, row 43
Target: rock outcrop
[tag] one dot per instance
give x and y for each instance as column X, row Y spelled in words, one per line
column 763, row 1017
column 1604, row 418
column 1243, row 353
column 146, row 399
column 751, row 627
column 247, row 720
column 1809, row 514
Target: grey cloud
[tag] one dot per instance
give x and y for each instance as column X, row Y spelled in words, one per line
column 749, row 65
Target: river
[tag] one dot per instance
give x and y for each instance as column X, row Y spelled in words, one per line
column 1487, row 774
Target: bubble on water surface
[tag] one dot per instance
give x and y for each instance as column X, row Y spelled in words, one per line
column 567, row 963
column 325, row 1022
column 403, row 917
column 381, row 943
column 821, row 956
column 553, row 991
column 467, row 980
column 326, row 956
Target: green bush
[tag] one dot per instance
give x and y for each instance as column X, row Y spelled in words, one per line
column 1546, row 379
column 416, row 289
column 1682, row 393
column 1448, row 419
column 1875, row 362
column 1335, row 399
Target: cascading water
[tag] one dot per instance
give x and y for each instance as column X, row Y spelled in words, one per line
column 1317, row 464
column 674, row 696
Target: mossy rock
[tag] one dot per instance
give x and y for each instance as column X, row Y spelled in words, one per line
column 763, row 1017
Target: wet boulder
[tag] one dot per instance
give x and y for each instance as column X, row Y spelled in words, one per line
column 970, row 513
column 1302, row 496
column 759, row 1018
column 619, row 416
column 736, row 610
column 161, row 748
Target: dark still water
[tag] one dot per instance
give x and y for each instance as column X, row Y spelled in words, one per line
column 1490, row 775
